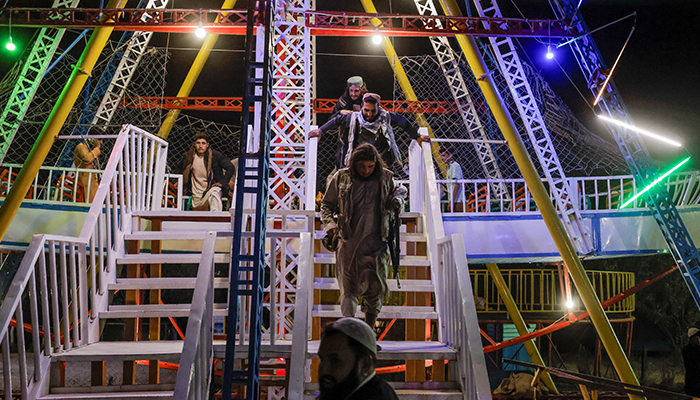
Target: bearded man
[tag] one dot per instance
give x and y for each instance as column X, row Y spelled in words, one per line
column 206, row 173
column 348, row 352
column 351, row 99
column 373, row 125
column 358, row 205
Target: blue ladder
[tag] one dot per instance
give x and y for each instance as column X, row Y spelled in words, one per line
column 248, row 262
column 635, row 152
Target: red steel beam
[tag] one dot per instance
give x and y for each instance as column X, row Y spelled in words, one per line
column 322, row 106
column 563, row 324
column 363, row 24
column 321, row 23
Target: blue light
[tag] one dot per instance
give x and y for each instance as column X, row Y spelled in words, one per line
column 549, row 55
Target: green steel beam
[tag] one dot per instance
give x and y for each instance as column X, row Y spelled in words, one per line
column 30, row 77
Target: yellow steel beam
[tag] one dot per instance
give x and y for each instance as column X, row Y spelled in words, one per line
column 519, row 323
column 192, row 75
column 541, row 197
column 402, row 78
column 55, row 122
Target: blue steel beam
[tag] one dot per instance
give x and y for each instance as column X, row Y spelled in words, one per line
column 634, row 151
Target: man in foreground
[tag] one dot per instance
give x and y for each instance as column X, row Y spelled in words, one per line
column 207, row 173
column 691, row 359
column 358, row 207
column 348, row 352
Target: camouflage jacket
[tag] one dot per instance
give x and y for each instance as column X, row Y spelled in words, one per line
column 337, row 208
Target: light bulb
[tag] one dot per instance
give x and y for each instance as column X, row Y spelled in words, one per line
column 200, row 32
column 569, row 304
column 377, row 38
column 10, row 46
column 550, row 55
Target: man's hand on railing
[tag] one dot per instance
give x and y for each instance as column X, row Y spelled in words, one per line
column 315, row 133
column 423, row 139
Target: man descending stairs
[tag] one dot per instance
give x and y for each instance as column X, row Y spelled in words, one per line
column 409, row 318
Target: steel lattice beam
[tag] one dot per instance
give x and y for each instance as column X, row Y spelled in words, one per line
column 106, row 96
column 29, row 79
column 467, row 109
column 322, row 23
column 636, row 155
column 359, row 24
column 321, row 106
column 509, row 61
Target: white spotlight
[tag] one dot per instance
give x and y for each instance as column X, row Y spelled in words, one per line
column 549, row 55
column 570, row 304
column 642, row 131
column 200, row 32
column 377, row 38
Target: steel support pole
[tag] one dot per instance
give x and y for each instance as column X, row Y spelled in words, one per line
column 192, row 75
column 539, row 193
column 519, row 323
column 55, row 122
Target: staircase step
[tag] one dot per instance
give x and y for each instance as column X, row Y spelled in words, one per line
column 429, row 385
column 281, row 349
column 156, row 311
column 148, row 388
column 404, row 236
column 162, row 283
column 404, row 350
column 119, row 351
column 177, row 215
column 407, row 285
column 388, row 312
column 170, row 235
column 408, row 390
column 169, row 258
column 409, row 394
column 110, row 396
column 405, row 261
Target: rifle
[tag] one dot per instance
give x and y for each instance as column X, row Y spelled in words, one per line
column 394, row 244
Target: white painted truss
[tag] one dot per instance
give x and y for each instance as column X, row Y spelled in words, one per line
column 449, row 64
column 511, row 67
column 30, row 77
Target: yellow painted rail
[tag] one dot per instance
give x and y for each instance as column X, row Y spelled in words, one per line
column 540, row 290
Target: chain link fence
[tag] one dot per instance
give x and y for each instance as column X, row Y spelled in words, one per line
column 148, row 80
column 581, row 152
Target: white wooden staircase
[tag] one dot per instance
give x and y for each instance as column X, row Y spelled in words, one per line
column 64, row 299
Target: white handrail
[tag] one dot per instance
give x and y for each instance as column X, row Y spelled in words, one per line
column 302, row 320
column 590, row 193
column 454, row 299
column 57, row 185
column 194, row 373
column 57, row 270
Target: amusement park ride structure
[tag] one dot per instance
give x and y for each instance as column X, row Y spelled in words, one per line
column 278, row 110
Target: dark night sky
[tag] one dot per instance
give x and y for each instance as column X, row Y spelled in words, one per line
column 657, row 74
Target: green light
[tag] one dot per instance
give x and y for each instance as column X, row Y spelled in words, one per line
column 10, row 46
column 657, row 180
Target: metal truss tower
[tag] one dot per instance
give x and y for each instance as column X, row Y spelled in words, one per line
column 635, row 152
column 292, row 115
column 507, row 55
column 291, row 99
column 449, row 64
column 247, row 270
column 112, row 85
column 30, row 77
